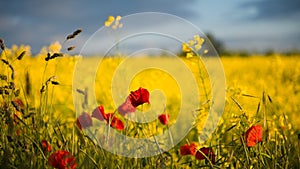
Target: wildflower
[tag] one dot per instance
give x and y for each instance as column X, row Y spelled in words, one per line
column 84, row 121
column 109, row 21
column 188, row 149
column 189, row 55
column 164, row 118
column 186, row 48
column 114, row 122
column 62, row 160
column 110, row 118
column 207, row 152
column 99, row 114
column 139, row 97
column 55, row 47
column 253, row 135
column 126, row 107
column 45, row 146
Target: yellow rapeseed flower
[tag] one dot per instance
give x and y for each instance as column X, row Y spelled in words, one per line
column 186, row 48
column 118, row 18
column 198, row 46
column 109, row 21
column 189, row 55
column 55, row 47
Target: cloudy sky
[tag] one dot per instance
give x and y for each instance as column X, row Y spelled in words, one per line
column 241, row 24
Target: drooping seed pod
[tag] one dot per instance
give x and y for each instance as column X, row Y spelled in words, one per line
column 42, row 90
column 48, row 57
column 3, row 77
column 21, row 55
column 71, row 48
column 5, row 61
column 78, row 31
column 55, row 55
column 12, row 85
column 70, row 37
column 55, row 82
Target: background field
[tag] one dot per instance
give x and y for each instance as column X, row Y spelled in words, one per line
column 259, row 89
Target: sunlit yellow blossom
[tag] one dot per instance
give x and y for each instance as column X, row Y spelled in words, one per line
column 189, row 55
column 54, row 47
column 205, row 51
column 118, row 18
column 196, row 38
column 289, row 126
column 109, row 21
column 281, row 122
column 186, row 48
column 191, row 42
column 198, row 46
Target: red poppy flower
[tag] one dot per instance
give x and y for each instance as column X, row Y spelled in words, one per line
column 139, row 97
column 46, row 146
column 99, row 114
column 253, row 135
column 126, row 107
column 84, row 121
column 62, row 160
column 110, row 118
column 164, row 118
column 188, row 149
column 114, row 122
column 208, row 152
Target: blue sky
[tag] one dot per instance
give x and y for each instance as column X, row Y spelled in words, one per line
column 241, row 24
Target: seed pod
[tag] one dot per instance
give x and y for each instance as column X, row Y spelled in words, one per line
column 42, row 89
column 3, row 77
column 17, row 92
column 6, row 92
column 55, row 82
column 21, row 55
column 78, row 31
column 56, row 55
column 5, row 61
column 71, row 48
column 47, row 57
column 12, row 85
column 70, row 37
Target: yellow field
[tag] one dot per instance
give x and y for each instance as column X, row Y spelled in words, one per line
column 259, row 90
column 277, row 76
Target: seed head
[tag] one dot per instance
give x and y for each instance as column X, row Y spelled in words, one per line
column 71, row 48
column 21, row 55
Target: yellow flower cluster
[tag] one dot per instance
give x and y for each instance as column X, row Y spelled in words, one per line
column 114, row 22
column 192, row 46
